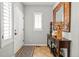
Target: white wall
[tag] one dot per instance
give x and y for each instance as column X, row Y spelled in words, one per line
column 75, row 30
column 7, row 51
column 74, row 34
column 32, row 36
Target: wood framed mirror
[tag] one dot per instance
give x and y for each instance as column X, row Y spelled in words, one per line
column 62, row 15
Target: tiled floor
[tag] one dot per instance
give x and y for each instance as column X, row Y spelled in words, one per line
column 42, row 52
column 31, row 51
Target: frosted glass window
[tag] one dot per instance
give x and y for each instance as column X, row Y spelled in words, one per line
column 38, row 21
column 7, row 19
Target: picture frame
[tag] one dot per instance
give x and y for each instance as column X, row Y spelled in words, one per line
column 66, row 23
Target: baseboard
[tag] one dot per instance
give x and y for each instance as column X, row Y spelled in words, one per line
column 35, row 44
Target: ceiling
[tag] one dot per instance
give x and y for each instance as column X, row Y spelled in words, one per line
column 38, row 3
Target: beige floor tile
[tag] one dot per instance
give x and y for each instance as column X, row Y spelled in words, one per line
column 42, row 52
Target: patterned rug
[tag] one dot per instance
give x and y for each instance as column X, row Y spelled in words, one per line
column 25, row 51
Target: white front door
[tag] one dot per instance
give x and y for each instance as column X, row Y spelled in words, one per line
column 18, row 29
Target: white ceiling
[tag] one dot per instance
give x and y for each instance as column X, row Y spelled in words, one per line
column 39, row 3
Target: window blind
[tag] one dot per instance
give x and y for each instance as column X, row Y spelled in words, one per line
column 7, row 19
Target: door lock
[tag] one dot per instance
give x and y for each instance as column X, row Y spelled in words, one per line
column 15, row 33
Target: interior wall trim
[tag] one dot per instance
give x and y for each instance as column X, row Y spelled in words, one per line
column 35, row 44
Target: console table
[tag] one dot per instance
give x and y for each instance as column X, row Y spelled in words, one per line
column 64, row 43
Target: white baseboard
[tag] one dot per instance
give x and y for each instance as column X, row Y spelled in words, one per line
column 35, row 44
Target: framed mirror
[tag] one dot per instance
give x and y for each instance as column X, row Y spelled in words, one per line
column 62, row 15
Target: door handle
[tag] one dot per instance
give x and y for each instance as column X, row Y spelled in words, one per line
column 15, row 33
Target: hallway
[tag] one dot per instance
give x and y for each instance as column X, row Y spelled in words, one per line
column 27, row 28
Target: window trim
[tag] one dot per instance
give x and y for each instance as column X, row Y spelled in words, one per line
column 38, row 29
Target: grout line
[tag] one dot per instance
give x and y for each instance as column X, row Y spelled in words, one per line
column 33, row 51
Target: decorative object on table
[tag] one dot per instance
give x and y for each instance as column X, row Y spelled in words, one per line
column 58, row 32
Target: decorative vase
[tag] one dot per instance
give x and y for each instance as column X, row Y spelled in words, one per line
column 59, row 32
